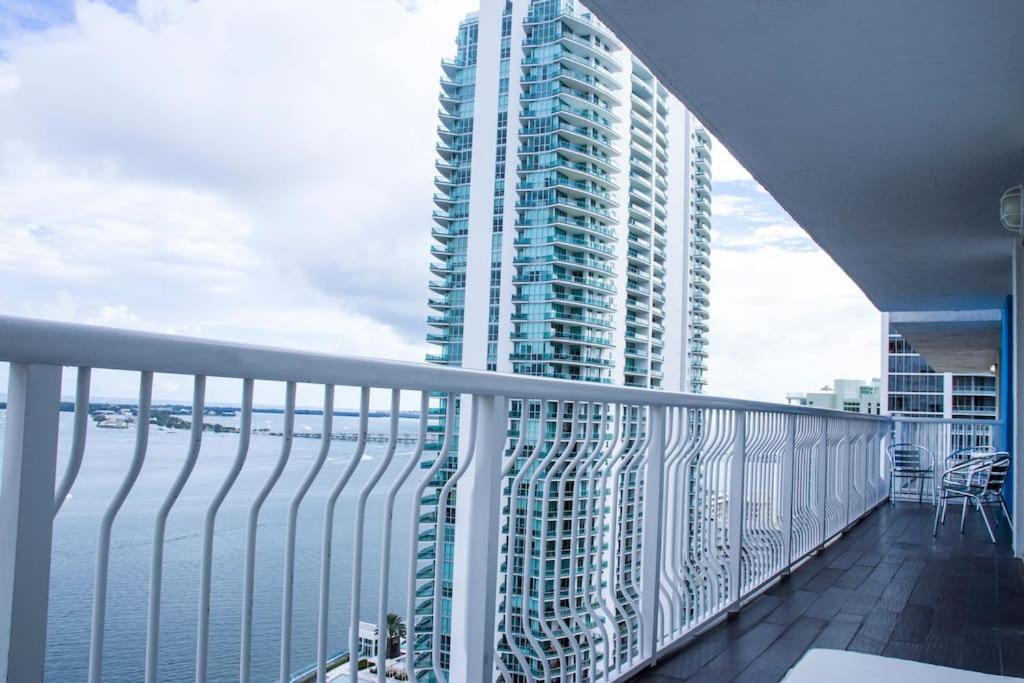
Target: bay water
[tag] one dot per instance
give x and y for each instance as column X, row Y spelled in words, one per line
column 107, row 456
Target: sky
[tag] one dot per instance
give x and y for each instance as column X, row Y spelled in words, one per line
column 261, row 172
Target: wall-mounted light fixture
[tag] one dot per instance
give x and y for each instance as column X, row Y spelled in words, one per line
column 1011, row 209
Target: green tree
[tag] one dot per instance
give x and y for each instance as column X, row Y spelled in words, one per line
column 396, row 634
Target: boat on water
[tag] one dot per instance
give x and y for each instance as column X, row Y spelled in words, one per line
column 114, row 422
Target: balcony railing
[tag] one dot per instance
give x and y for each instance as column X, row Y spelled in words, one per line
column 662, row 511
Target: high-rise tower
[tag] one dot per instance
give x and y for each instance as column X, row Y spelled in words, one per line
column 573, row 231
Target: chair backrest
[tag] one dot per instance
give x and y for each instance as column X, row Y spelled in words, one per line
column 909, row 456
column 970, row 453
column 996, row 472
column 961, row 454
column 988, row 473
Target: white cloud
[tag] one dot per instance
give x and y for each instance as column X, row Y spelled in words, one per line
column 261, row 172
column 247, row 171
column 747, row 207
column 786, row 235
column 785, row 320
column 725, row 168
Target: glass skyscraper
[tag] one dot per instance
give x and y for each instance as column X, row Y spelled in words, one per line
column 572, row 241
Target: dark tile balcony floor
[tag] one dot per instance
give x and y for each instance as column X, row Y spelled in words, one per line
column 886, row 587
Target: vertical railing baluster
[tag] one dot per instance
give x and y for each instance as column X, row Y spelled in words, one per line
column 206, row 561
column 539, row 477
column 848, row 468
column 249, row 568
column 389, row 509
column 508, row 553
column 77, row 438
column 26, row 517
column 291, row 529
column 474, row 584
column 99, row 594
column 736, row 469
column 822, row 479
column 882, row 463
column 160, row 529
column 607, row 619
column 673, row 512
column 583, row 505
column 558, row 473
column 788, row 474
column 414, row 527
column 327, row 540
column 359, row 530
column 625, row 576
column 650, row 562
column 468, row 423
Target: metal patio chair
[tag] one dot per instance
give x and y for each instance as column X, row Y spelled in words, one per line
column 909, row 462
column 978, row 482
column 962, row 455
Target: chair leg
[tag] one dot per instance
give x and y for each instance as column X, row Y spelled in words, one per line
column 920, row 490
column 945, row 502
column 963, row 515
column 939, row 510
column 1002, row 504
column 981, row 509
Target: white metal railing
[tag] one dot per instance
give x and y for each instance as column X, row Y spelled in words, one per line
column 594, row 526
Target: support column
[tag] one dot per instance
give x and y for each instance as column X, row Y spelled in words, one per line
column 736, row 511
column 1015, row 403
column 947, row 395
column 650, row 558
column 475, row 561
column 26, row 518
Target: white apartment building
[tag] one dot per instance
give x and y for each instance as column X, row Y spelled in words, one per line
column 851, row 395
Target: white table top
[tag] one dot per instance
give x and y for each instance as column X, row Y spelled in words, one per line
column 840, row 666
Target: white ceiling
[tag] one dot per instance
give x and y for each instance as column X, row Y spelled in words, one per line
column 953, row 341
column 888, row 129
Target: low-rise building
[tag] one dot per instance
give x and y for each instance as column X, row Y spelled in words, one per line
column 851, row 395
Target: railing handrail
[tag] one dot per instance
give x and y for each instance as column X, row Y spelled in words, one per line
column 28, row 340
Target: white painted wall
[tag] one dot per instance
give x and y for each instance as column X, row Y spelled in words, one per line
column 481, row 197
column 677, row 256
column 883, row 392
column 508, row 250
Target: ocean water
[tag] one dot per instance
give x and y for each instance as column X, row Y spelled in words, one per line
column 107, row 456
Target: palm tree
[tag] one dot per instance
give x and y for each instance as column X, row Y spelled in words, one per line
column 396, row 634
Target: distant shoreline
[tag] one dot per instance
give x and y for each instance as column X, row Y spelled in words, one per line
column 227, row 411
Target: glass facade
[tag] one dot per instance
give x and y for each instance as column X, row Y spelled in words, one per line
column 915, row 389
column 564, row 276
column 458, row 89
column 580, row 293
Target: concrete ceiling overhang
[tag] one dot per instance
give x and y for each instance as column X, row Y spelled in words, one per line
column 887, row 129
column 953, row 341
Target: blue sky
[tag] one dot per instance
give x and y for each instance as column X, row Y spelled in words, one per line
column 234, row 170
